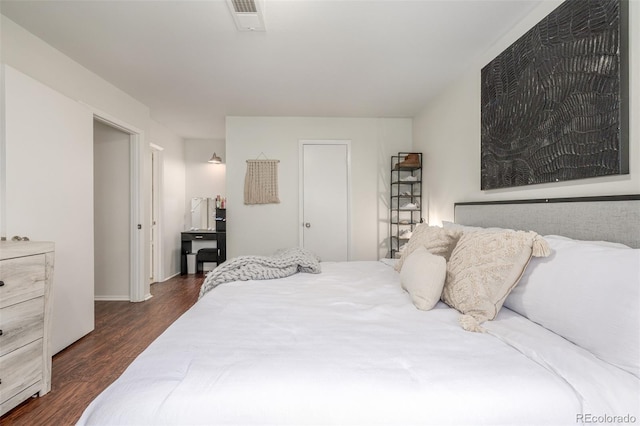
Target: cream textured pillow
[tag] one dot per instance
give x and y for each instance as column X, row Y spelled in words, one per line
column 436, row 240
column 423, row 278
column 483, row 269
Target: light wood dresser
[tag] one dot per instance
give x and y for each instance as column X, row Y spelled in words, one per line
column 26, row 271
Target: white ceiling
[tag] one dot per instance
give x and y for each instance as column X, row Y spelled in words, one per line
column 187, row 62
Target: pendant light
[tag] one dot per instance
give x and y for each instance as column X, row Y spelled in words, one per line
column 215, row 159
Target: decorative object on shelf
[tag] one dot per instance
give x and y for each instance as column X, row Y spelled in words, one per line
column 215, row 159
column 410, row 206
column 405, row 204
column 405, row 234
column 410, row 161
column 221, row 202
column 555, row 104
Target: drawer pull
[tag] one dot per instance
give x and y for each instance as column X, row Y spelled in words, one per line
column 0, row 332
column 199, row 237
column 1, row 283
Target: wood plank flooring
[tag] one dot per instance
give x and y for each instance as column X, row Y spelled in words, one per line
column 122, row 330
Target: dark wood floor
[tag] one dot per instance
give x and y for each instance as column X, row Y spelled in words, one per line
column 122, row 330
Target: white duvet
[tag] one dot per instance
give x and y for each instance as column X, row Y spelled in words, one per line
column 347, row 347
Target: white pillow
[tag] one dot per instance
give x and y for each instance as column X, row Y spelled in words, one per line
column 599, row 243
column 590, row 295
column 422, row 276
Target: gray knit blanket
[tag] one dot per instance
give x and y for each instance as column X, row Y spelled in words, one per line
column 242, row 268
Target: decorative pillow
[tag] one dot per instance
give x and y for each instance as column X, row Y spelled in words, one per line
column 423, row 276
column 590, row 295
column 436, row 240
column 483, row 269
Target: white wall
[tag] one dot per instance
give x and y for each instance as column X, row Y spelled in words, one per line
column 49, row 197
column 262, row 229
column 448, row 133
column 203, row 179
column 173, row 196
column 111, row 201
column 33, row 57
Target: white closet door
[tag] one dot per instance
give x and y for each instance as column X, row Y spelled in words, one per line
column 325, row 194
column 49, row 193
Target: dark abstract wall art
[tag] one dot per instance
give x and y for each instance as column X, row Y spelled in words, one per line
column 555, row 103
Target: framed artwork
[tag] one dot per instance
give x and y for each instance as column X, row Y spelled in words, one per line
column 555, row 103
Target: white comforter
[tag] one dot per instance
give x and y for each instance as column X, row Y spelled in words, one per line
column 347, row 347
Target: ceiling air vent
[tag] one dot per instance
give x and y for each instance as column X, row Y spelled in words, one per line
column 248, row 14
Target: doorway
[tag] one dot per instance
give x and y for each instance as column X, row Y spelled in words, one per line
column 138, row 276
column 112, row 206
column 325, row 198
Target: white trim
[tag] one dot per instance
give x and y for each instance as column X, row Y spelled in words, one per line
column 138, row 273
column 3, row 156
column 158, row 201
column 301, row 144
column 111, row 298
column 118, row 298
column 177, row 274
column 112, row 121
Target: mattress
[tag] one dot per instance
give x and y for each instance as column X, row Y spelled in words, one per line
column 347, row 347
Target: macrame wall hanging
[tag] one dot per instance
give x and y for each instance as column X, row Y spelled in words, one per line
column 261, row 182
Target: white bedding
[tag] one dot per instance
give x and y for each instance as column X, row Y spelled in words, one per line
column 347, row 347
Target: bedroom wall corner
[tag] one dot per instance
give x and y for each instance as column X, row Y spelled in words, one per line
column 262, row 229
column 447, row 131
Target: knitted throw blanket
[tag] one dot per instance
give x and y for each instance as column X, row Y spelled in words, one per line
column 242, row 268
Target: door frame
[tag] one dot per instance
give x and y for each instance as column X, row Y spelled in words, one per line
column 3, row 156
column 301, row 144
column 138, row 273
column 157, row 183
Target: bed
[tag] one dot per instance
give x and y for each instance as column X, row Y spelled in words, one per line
column 348, row 346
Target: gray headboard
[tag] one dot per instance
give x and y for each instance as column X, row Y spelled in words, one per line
column 608, row 218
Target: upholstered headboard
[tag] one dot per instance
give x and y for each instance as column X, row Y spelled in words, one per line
column 607, row 218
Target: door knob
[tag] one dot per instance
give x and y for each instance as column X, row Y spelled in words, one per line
column 307, row 225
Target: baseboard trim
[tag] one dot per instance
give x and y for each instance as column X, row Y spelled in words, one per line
column 111, row 298
column 171, row 276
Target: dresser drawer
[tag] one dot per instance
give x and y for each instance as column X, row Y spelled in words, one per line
column 20, row 369
column 22, row 279
column 20, row 324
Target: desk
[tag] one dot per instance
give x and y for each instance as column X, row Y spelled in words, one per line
column 187, row 237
